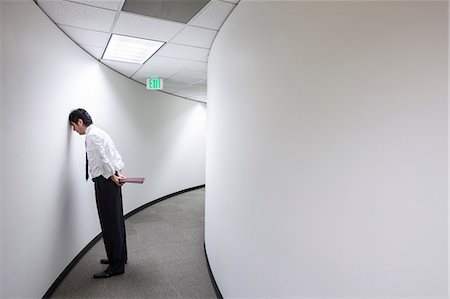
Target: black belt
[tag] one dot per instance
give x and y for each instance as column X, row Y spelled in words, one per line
column 102, row 177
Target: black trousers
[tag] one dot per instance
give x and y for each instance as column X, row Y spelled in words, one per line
column 110, row 211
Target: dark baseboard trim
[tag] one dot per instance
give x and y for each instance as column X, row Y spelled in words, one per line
column 129, row 214
column 69, row 267
column 97, row 238
column 211, row 276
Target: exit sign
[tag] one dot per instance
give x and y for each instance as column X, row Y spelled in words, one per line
column 154, row 83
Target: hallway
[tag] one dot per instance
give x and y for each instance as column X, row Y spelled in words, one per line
column 166, row 258
column 320, row 128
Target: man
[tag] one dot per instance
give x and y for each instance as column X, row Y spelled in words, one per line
column 104, row 164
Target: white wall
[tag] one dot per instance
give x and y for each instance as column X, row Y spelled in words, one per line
column 327, row 150
column 48, row 209
column 1, row 138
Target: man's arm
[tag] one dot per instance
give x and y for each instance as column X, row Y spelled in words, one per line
column 97, row 146
column 117, row 177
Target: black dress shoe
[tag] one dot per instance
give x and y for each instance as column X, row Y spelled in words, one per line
column 107, row 274
column 105, row 261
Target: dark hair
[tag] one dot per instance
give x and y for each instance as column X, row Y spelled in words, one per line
column 82, row 114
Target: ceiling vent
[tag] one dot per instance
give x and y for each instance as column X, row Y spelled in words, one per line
column 174, row 10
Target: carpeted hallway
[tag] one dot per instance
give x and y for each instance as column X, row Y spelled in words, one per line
column 166, row 258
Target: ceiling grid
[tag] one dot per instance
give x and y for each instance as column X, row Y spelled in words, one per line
column 181, row 61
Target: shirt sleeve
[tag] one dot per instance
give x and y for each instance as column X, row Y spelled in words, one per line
column 97, row 151
column 119, row 165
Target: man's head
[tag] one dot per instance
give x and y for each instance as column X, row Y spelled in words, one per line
column 79, row 119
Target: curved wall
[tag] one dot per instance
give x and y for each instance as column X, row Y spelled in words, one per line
column 326, row 166
column 1, row 138
column 48, row 210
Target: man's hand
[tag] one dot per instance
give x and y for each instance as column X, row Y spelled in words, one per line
column 116, row 179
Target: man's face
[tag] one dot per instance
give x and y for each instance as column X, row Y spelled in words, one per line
column 79, row 127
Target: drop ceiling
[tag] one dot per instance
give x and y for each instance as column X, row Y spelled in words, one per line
column 187, row 27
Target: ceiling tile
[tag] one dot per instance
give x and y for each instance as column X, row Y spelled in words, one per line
column 108, row 4
column 200, row 86
column 146, row 27
column 94, row 51
column 190, row 74
column 154, row 72
column 128, row 69
column 213, row 15
column 188, row 77
column 231, row 1
column 184, row 52
column 198, row 67
column 161, row 67
column 78, row 15
column 86, row 37
column 194, row 36
column 183, row 80
column 169, row 86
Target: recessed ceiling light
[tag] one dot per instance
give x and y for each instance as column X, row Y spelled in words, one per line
column 130, row 49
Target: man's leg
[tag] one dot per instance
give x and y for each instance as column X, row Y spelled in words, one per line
column 123, row 227
column 109, row 204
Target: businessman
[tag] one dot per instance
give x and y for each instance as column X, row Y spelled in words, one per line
column 104, row 164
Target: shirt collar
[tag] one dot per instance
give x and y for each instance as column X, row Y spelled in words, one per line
column 89, row 128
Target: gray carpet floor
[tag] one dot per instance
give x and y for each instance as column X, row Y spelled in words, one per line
column 166, row 258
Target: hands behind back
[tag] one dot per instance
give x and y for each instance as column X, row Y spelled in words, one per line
column 116, row 179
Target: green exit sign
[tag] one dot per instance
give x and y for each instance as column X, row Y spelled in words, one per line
column 154, row 83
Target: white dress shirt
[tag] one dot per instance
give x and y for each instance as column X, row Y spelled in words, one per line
column 103, row 157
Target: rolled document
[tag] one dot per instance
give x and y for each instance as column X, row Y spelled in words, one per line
column 132, row 180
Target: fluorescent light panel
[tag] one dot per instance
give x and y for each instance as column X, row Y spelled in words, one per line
column 130, row 49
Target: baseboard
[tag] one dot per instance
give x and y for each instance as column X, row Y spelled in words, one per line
column 129, row 214
column 97, row 238
column 69, row 267
column 211, row 276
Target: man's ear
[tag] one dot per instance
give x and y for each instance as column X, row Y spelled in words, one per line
column 80, row 122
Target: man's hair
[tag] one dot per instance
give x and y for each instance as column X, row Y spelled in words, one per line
column 82, row 114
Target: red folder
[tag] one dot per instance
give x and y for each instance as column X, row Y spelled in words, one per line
column 132, row 180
